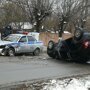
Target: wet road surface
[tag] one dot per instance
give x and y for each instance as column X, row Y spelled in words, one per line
column 29, row 68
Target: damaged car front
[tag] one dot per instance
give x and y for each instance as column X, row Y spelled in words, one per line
column 9, row 45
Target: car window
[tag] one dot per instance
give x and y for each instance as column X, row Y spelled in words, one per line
column 12, row 38
column 23, row 39
column 30, row 38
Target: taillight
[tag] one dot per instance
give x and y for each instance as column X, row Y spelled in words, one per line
column 86, row 44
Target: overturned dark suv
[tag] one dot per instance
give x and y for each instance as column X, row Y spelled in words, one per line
column 75, row 48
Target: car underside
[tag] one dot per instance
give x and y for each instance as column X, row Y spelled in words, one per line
column 76, row 48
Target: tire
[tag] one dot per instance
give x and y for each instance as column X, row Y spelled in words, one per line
column 51, row 49
column 50, row 45
column 36, row 52
column 11, row 52
column 78, row 34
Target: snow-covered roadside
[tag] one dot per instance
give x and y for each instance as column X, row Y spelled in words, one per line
column 69, row 84
column 77, row 83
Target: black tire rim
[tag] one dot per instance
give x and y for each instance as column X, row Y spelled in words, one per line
column 78, row 34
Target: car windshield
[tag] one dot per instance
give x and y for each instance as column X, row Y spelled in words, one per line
column 12, row 38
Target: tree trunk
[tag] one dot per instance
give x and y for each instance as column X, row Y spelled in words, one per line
column 61, row 29
column 38, row 24
column 60, row 33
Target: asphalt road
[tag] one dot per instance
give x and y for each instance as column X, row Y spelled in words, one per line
column 29, row 68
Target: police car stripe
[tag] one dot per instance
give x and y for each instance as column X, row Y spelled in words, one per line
column 32, row 42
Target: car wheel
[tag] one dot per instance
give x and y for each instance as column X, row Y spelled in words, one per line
column 51, row 45
column 51, row 49
column 78, row 34
column 36, row 52
column 11, row 52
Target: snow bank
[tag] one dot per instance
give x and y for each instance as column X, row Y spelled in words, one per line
column 68, row 84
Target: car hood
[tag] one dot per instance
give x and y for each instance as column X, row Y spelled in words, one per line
column 5, row 42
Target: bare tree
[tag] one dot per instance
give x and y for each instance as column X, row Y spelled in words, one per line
column 69, row 11
column 11, row 13
column 50, row 24
column 81, row 16
column 36, row 10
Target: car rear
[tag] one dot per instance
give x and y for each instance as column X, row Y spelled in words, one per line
column 86, row 44
column 83, row 49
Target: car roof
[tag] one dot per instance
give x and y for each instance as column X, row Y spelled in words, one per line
column 18, row 34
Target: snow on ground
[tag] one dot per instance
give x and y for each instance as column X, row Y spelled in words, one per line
column 69, row 84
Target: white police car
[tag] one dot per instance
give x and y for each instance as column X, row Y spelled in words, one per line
column 20, row 43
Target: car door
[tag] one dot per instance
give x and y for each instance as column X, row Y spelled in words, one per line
column 31, row 43
column 23, row 43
